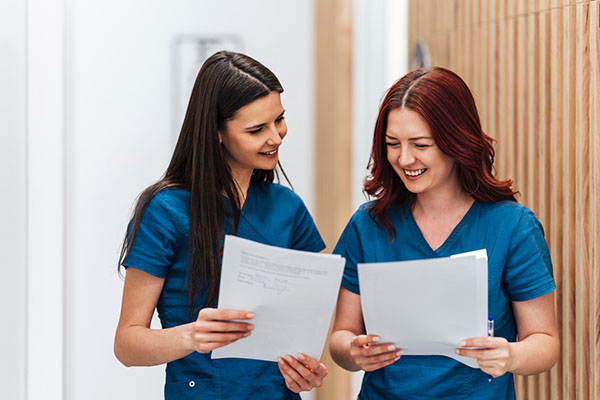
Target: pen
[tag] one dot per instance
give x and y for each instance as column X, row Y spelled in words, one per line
column 490, row 329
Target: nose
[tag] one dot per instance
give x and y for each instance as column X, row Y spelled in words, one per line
column 406, row 157
column 276, row 135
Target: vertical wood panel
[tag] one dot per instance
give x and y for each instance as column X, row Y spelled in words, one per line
column 534, row 68
column 594, row 123
column 582, row 206
column 333, row 144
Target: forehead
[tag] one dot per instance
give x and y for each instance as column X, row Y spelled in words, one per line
column 404, row 123
column 259, row 111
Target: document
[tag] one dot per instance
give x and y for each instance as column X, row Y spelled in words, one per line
column 291, row 293
column 427, row 307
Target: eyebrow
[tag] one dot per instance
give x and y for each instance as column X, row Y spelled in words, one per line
column 411, row 139
column 250, row 128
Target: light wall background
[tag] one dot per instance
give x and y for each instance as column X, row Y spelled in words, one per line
column 88, row 119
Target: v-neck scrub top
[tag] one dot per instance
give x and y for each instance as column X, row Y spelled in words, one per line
column 272, row 214
column 519, row 269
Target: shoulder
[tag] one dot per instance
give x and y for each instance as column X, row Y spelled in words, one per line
column 170, row 200
column 275, row 192
column 171, row 206
column 509, row 217
column 505, row 210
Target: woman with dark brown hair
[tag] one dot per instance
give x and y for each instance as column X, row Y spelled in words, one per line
column 219, row 181
column 432, row 177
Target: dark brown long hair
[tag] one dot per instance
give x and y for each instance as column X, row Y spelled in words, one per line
column 446, row 104
column 226, row 82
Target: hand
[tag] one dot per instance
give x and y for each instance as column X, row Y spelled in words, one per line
column 302, row 373
column 369, row 356
column 495, row 358
column 214, row 329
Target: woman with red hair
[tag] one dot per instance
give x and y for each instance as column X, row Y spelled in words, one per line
column 432, row 177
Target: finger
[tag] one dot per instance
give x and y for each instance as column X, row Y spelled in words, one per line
column 373, row 350
column 219, row 337
column 206, row 347
column 484, row 341
column 362, row 340
column 317, row 367
column 375, row 366
column 307, row 373
column 222, row 326
column 292, row 374
column 224, row 314
column 382, row 357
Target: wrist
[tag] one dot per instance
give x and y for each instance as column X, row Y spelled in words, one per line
column 187, row 337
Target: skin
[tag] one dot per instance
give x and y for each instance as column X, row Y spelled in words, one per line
column 440, row 205
column 256, row 130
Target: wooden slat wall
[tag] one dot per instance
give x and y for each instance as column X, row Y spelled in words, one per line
column 534, row 67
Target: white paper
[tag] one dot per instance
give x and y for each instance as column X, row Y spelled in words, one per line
column 292, row 294
column 427, row 307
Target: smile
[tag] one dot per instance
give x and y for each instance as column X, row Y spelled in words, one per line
column 269, row 153
column 416, row 172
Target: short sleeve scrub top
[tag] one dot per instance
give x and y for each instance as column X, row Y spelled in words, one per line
column 272, row 214
column 519, row 269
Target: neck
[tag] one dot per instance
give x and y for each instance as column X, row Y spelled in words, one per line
column 242, row 181
column 447, row 200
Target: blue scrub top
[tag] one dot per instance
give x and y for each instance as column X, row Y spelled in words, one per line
column 519, row 269
column 272, row 214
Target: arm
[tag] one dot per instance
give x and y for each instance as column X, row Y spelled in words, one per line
column 137, row 344
column 536, row 350
column 350, row 348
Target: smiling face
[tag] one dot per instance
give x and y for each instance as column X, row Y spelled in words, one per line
column 414, row 155
column 252, row 137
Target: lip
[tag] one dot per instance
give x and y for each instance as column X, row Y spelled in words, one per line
column 270, row 153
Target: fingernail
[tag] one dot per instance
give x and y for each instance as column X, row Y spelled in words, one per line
column 399, row 354
column 280, row 361
column 247, row 334
column 463, row 343
column 391, row 347
column 250, row 327
column 375, row 338
column 301, row 357
column 250, row 315
column 457, row 351
column 289, row 358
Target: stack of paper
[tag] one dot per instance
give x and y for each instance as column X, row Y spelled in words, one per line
column 427, row 307
column 292, row 294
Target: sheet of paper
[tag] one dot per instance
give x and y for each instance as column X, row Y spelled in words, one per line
column 426, row 307
column 292, row 294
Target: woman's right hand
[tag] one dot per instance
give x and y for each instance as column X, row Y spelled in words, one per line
column 214, row 328
column 370, row 356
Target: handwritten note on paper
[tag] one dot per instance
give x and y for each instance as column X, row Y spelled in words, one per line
column 292, row 294
column 426, row 307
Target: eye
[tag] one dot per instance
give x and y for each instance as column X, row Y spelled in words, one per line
column 392, row 144
column 279, row 119
column 255, row 131
column 422, row 146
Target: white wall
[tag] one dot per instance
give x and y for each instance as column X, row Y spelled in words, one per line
column 380, row 58
column 119, row 140
column 86, row 123
column 12, row 206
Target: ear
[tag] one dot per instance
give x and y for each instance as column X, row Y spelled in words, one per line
column 220, row 137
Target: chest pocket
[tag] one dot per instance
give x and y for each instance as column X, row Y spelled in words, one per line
column 191, row 389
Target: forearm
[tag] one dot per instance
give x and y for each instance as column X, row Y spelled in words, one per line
column 535, row 354
column 142, row 346
column 339, row 347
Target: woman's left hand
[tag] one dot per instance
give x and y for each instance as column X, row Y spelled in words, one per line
column 302, row 373
column 494, row 358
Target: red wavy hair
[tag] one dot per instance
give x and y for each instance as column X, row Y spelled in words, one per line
column 445, row 102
